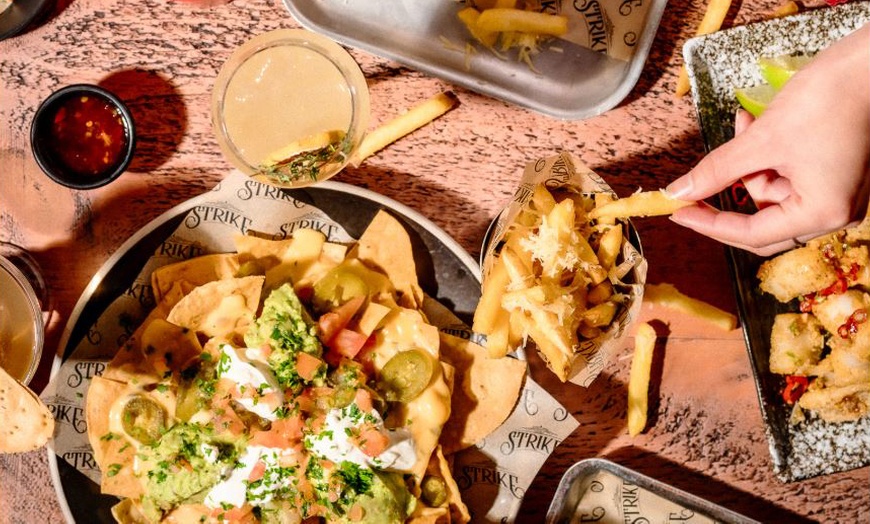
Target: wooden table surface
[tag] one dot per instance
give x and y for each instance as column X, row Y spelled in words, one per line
column 705, row 435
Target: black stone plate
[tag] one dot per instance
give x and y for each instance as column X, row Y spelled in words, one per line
column 717, row 64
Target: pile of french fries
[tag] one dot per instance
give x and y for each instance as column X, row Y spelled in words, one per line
column 506, row 24
column 552, row 279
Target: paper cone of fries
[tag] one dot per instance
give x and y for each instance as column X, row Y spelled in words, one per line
column 557, row 279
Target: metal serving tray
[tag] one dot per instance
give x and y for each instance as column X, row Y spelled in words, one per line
column 571, row 82
column 598, row 490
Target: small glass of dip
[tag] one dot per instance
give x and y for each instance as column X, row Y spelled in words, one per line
column 21, row 318
column 290, row 108
column 82, row 136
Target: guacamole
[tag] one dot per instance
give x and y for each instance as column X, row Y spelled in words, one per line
column 382, row 496
column 184, row 463
column 286, row 327
column 388, row 500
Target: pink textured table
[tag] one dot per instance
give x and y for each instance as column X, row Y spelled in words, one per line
column 706, row 434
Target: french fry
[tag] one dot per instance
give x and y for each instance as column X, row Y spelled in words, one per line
column 669, row 296
column 489, row 305
column 644, row 204
column 786, row 9
column 516, row 334
column 519, row 269
column 407, row 122
column 498, row 339
column 638, row 381
column 469, row 17
column 716, row 12
column 598, row 294
column 550, row 344
column 609, row 246
column 600, row 315
column 542, row 201
column 602, row 199
column 518, row 20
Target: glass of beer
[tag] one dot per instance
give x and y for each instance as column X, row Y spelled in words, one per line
column 21, row 317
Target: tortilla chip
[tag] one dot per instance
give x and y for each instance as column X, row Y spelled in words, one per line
column 386, row 246
column 303, row 262
column 484, row 395
column 128, row 512
column 27, row 424
column 267, row 253
column 167, row 347
column 458, row 510
column 129, row 363
column 425, row 515
column 221, row 308
column 193, row 273
column 453, row 510
column 112, row 452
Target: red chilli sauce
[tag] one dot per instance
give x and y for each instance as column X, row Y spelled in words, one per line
column 88, row 135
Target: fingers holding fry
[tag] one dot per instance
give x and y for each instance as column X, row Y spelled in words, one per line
column 643, row 204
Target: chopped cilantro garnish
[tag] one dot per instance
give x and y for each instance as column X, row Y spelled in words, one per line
column 357, row 478
column 223, row 364
column 282, row 411
column 113, row 470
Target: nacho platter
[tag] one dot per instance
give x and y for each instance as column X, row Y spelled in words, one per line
column 446, row 272
column 717, row 64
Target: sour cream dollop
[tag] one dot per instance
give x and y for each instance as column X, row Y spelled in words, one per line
column 333, row 441
column 239, row 487
column 248, row 371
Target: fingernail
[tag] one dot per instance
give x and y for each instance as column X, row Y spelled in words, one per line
column 680, row 187
column 676, row 220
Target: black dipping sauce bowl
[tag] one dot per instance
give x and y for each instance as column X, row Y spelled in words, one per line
column 82, row 136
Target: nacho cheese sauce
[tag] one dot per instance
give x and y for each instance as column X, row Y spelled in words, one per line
column 283, row 94
column 403, row 329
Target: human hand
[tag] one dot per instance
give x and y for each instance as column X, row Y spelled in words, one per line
column 805, row 161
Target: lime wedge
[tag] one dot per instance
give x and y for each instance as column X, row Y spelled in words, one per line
column 777, row 70
column 755, row 99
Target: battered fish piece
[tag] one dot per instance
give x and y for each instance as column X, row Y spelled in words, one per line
column 834, row 310
column 840, row 404
column 796, row 273
column 796, row 344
